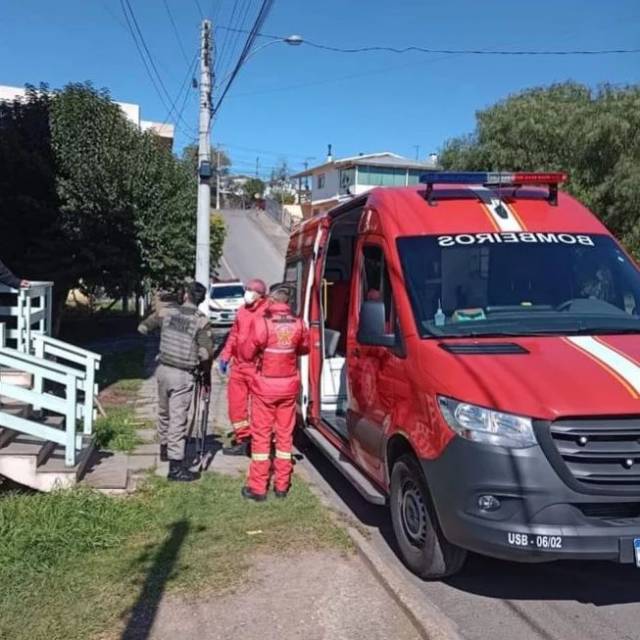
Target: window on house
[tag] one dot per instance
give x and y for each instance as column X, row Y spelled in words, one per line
column 347, row 179
column 381, row 176
column 320, row 180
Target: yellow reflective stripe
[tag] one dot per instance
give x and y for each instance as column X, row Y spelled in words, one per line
column 260, row 457
column 283, row 455
column 240, row 424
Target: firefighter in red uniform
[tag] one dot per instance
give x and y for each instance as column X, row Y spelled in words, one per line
column 276, row 341
column 242, row 369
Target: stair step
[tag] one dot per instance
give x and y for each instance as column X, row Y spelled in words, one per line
column 6, row 436
column 108, row 472
column 23, row 445
column 360, row 482
column 55, row 461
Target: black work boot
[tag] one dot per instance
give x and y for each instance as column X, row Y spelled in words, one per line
column 281, row 494
column 164, row 456
column 179, row 473
column 237, row 449
column 250, row 495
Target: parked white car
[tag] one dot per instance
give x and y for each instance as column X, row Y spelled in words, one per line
column 225, row 300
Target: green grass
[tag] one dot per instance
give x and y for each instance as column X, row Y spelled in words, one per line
column 120, row 378
column 74, row 563
column 124, row 369
column 117, row 431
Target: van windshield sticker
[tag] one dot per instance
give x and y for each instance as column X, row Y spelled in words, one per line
column 514, row 236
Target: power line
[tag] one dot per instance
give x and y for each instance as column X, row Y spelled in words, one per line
column 478, row 52
column 142, row 56
column 227, row 38
column 175, row 30
column 259, row 21
column 199, row 7
column 131, row 16
column 184, row 86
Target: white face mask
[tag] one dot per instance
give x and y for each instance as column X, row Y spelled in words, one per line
column 250, row 297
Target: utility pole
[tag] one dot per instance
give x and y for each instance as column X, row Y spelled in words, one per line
column 203, row 249
column 217, row 180
column 257, row 166
column 417, row 148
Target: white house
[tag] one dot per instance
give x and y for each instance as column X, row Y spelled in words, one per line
column 163, row 130
column 339, row 178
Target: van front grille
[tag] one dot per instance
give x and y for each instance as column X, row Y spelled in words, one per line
column 602, row 452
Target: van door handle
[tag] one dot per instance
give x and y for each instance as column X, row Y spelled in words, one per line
column 355, row 352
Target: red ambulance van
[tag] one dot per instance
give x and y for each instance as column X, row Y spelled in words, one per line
column 475, row 365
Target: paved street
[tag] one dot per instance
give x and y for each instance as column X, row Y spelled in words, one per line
column 248, row 252
column 489, row 599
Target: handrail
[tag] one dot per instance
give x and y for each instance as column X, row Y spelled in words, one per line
column 31, row 362
column 32, row 310
column 72, row 348
column 66, row 406
column 88, row 360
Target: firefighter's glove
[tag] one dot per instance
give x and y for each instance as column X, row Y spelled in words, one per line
column 223, row 367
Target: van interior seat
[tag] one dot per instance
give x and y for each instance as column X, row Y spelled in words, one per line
column 333, row 384
column 338, row 311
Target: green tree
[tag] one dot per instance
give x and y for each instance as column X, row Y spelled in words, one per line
column 252, row 187
column 590, row 134
column 31, row 238
column 86, row 198
column 218, row 233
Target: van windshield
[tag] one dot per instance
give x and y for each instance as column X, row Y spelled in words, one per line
column 483, row 284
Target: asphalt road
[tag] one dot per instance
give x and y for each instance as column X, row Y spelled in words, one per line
column 248, row 252
column 490, row 599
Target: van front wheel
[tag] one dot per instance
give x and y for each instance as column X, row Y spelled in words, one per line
column 423, row 547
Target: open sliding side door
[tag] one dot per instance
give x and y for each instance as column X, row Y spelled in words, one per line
column 312, row 316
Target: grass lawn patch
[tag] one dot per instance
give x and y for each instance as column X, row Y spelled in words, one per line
column 74, row 564
column 121, row 372
column 118, row 430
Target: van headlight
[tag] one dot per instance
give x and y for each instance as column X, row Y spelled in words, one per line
column 486, row 425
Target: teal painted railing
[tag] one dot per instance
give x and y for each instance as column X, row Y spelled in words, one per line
column 31, row 308
column 46, row 362
column 47, row 348
column 65, row 405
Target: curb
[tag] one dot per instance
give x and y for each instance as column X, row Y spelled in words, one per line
column 428, row 620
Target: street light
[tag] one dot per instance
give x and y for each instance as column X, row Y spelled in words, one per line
column 293, row 40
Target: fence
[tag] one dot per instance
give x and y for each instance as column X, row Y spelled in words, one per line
column 27, row 312
column 48, row 363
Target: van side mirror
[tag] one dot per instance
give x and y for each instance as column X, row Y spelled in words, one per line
column 371, row 328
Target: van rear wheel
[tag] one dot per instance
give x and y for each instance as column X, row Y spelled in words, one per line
column 423, row 547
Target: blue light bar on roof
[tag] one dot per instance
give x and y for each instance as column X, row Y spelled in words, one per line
column 494, row 178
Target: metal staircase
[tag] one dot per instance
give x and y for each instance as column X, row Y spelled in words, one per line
column 47, row 395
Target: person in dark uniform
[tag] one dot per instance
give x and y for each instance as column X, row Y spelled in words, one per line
column 186, row 343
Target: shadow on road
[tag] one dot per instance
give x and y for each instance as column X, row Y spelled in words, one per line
column 597, row 583
column 145, row 609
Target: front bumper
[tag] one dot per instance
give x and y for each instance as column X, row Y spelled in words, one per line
column 222, row 317
column 539, row 519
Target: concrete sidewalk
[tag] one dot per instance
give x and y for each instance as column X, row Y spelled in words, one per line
column 316, row 595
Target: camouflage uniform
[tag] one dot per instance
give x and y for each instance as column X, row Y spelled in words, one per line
column 186, row 341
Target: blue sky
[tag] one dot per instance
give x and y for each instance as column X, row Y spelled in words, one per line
column 289, row 102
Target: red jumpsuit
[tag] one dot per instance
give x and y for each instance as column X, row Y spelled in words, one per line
column 242, row 369
column 279, row 339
